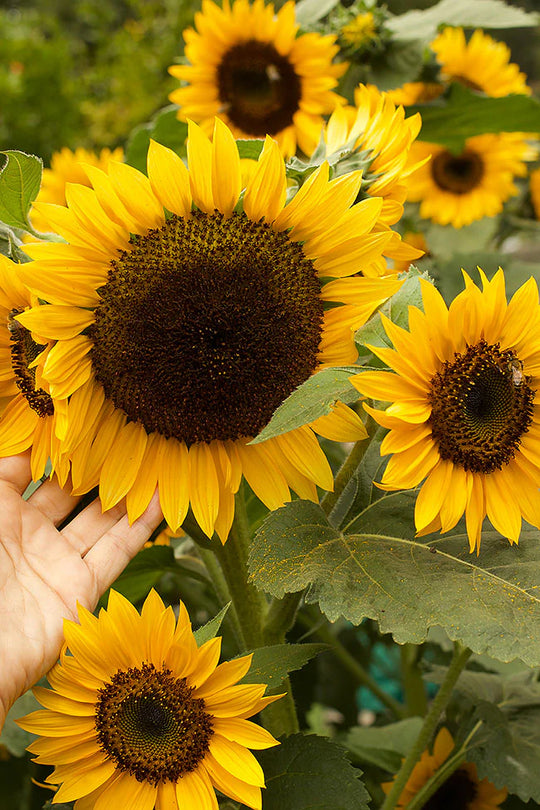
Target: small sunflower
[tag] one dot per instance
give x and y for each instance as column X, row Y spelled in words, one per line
column 29, row 417
column 359, row 32
column 460, row 189
column 534, row 188
column 181, row 323
column 416, row 93
column 380, row 131
column 481, row 64
column 462, row 790
column 68, row 167
column 464, row 408
column 247, row 66
column 140, row 716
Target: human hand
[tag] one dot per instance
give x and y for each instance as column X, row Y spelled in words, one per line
column 45, row 572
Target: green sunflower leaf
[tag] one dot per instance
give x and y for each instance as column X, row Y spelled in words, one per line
column 308, row 12
column 509, row 711
column 310, row 400
column 307, row 772
column 465, row 114
column 250, row 148
column 384, row 746
column 211, row 628
column 423, row 24
column 271, row 665
column 144, row 572
column 165, row 128
column 20, row 180
column 374, row 569
column 396, row 309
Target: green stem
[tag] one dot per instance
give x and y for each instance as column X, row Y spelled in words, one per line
column 439, row 704
column 281, row 616
column 249, row 603
column 442, row 774
column 222, row 592
column 413, row 684
column 348, row 468
column 362, row 676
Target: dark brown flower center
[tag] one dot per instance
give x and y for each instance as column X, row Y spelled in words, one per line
column 457, row 174
column 258, row 88
column 206, row 325
column 24, row 351
column 457, row 793
column 151, row 725
column 482, row 404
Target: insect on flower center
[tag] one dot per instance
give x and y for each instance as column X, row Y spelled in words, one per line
column 258, row 88
column 24, row 351
column 151, row 725
column 206, row 325
column 482, row 405
column 457, row 174
column 457, row 792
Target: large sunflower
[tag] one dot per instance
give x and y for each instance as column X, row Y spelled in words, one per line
column 481, row 64
column 68, row 167
column 247, row 66
column 459, row 189
column 379, row 132
column 178, row 334
column 29, row 417
column 464, row 411
column 462, row 790
column 140, row 716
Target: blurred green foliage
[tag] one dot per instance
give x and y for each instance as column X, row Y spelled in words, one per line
column 83, row 73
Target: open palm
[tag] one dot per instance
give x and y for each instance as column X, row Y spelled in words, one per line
column 45, row 572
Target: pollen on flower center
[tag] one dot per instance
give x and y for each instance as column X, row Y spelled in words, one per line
column 482, row 404
column 206, row 325
column 258, row 88
column 151, row 725
column 458, row 174
column 24, row 351
column 457, row 792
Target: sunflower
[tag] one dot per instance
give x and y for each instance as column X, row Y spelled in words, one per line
column 416, row 240
column 379, row 130
column 464, row 408
column 140, row 716
column 180, row 332
column 68, row 167
column 359, row 32
column 247, row 66
column 416, row 93
column 481, row 64
column 534, row 189
column 460, row 189
column 29, row 418
column 462, row 790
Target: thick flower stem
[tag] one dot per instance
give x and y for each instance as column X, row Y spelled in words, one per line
column 439, row 704
column 413, row 684
column 249, row 603
column 281, row 616
column 222, row 592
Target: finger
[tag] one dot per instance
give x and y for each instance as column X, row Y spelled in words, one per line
column 15, row 470
column 53, row 502
column 91, row 524
column 109, row 556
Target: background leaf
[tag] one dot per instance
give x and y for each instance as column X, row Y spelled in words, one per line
column 309, row 11
column 423, row 24
column 165, row 128
column 310, row 773
column 384, row 746
column 271, row 665
column 20, row 180
column 465, row 114
column 489, row 603
column 13, row 737
column 143, row 572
